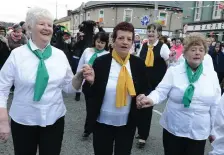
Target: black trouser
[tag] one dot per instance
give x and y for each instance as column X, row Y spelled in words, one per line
column 174, row 145
column 26, row 139
column 104, row 136
column 220, row 77
column 144, row 122
column 86, row 130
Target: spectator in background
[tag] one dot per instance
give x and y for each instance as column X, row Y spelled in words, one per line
column 23, row 25
column 164, row 39
column 177, row 48
column 210, row 47
column 173, row 42
column 77, row 51
column 16, row 37
column 4, row 49
column 218, row 61
column 137, row 44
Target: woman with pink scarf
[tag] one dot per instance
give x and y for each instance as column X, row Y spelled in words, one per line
column 16, row 38
column 177, row 48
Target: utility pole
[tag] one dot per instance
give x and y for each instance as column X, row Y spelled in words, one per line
column 56, row 9
column 156, row 10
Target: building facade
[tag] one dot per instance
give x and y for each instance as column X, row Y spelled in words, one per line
column 205, row 17
column 111, row 13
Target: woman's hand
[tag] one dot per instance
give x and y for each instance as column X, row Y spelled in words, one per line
column 4, row 130
column 211, row 138
column 143, row 101
column 88, row 73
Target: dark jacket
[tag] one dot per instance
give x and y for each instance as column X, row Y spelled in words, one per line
column 4, row 51
column 101, row 67
column 78, row 48
column 218, row 61
column 66, row 48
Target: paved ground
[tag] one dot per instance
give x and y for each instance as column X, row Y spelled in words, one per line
column 74, row 145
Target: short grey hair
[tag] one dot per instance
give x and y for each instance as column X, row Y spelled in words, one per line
column 35, row 14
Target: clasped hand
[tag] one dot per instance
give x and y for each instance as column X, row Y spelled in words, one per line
column 143, row 101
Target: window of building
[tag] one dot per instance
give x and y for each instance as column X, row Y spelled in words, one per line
column 128, row 15
column 88, row 16
column 163, row 18
column 101, row 16
column 76, row 20
column 216, row 10
column 81, row 18
column 198, row 10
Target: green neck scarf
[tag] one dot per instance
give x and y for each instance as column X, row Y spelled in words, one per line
column 92, row 59
column 42, row 76
column 192, row 78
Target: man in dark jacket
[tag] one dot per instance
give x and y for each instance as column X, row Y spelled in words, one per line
column 4, row 49
column 63, row 42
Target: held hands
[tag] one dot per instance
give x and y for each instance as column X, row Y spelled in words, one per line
column 88, row 73
column 143, row 101
column 211, row 138
column 4, row 130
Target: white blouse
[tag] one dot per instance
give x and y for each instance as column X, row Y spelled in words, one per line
column 195, row 122
column 20, row 69
column 110, row 114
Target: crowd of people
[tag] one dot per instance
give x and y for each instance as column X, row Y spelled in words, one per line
column 122, row 77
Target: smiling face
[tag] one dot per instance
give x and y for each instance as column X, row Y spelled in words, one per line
column 100, row 45
column 195, row 55
column 42, row 30
column 123, row 42
column 152, row 35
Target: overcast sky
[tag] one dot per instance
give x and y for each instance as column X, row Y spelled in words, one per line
column 15, row 10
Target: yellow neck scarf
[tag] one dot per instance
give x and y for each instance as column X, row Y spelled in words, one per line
column 149, row 60
column 125, row 83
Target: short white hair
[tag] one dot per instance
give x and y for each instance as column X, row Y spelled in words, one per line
column 35, row 14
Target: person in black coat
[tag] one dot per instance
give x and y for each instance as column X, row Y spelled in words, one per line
column 113, row 116
column 4, row 49
column 63, row 42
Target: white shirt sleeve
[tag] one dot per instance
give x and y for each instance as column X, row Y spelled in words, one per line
column 165, row 52
column 218, row 144
column 164, row 87
column 7, row 77
column 67, row 86
column 82, row 60
column 214, row 106
column 208, row 61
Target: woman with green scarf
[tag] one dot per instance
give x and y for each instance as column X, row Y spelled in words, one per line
column 39, row 72
column 192, row 92
column 100, row 47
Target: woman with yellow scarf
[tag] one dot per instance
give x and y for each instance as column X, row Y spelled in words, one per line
column 155, row 54
column 119, row 77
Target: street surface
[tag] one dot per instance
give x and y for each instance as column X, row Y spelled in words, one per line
column 74, row 145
